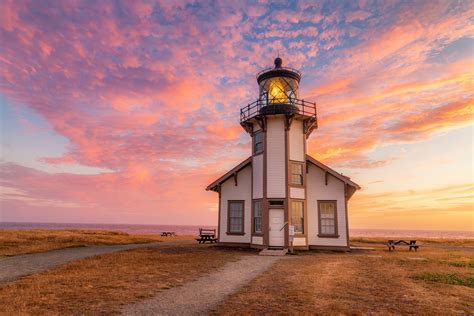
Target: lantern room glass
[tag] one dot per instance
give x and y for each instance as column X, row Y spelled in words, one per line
column 278, row 90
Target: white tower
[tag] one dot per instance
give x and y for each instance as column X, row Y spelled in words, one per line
column 279, row 123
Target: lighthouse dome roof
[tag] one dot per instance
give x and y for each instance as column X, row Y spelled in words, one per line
column 278, row 71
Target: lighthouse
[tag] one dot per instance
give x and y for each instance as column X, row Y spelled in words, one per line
column 280, row 196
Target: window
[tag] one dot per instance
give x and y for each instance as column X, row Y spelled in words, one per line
column 327, row 218
column 258, row 142
column 297, row 216
column 296, row 173
column 236, row 217
column 257, row 216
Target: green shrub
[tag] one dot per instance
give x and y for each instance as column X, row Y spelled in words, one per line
column 462, row 264
column 446, row 278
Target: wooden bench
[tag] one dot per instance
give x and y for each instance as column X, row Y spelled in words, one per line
column 165, row 234
column 207, row 235
column 411, row 244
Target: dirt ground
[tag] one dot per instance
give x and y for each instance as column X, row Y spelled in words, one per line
column 102, row 284
column 430, row 281
column 16, row 242
column 199, row 296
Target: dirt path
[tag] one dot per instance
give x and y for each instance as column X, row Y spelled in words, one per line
column 12, row 268
column 198, row 297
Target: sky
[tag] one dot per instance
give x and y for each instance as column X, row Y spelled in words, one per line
column 123, row 111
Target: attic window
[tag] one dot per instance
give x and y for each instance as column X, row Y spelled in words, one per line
column 258, row 142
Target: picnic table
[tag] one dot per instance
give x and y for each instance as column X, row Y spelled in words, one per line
column 207, row 235
column 411, row 244
column 165, row 234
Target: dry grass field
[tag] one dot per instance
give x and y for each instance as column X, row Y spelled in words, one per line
column 432, row 280
column 99, row 285
column 437, row 279
column 15, row 242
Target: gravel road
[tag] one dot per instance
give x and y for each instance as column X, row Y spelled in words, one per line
column 14, row 267
column 198, row 297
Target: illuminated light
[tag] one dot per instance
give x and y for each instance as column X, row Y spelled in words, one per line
column 277, row 93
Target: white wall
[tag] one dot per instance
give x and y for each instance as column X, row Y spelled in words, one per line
column 297, row 139
column 257, row 240
column 318, row 190
column 240, row 192
column 299, row 241
column 257, row 167
column 276, row 161
column 297, row 193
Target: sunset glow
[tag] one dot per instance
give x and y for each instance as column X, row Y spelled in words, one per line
column 123, row 112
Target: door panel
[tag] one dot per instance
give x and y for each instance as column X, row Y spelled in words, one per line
column 277, row 234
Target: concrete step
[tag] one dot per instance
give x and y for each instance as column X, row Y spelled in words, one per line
column 273, row 252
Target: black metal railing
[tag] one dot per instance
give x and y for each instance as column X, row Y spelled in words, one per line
column 302, row 107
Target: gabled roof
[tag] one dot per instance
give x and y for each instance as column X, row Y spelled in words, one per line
column 214, row 185
column 332, row 172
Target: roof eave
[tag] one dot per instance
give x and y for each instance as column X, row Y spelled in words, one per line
column 213, row 186
column 336, row 174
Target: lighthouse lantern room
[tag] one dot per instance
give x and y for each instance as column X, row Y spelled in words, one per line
column 280, row 196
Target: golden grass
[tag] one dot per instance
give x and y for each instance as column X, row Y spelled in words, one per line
column 101, row 284
column 379, row 282
column 15, row 242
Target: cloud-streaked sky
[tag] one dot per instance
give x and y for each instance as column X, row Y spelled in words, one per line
column 122, row 112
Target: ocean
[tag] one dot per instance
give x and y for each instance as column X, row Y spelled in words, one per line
column 193, row 230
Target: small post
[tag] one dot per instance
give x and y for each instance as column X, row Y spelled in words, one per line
column 291, row 233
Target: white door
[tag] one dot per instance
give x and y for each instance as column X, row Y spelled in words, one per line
column 277, row 231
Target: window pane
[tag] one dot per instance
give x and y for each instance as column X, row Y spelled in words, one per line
column 236, row 206
column 296, row 173
column 236, row 212
column 258, row 224
column 297, row 214
column 257, row 216
column 258, row 142
column 327, row 213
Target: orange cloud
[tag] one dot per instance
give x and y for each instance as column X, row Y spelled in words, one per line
column 455, row 114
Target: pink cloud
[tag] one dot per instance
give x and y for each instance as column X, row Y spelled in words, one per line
column 151, row 91
column 357, row 16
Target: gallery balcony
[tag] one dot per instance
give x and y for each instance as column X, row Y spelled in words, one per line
column 258, row 109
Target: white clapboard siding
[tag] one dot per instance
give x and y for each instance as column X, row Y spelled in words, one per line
column 318, row 190
column 257, row 167
column 297, row 139
column 229, row 191
column 276, row 162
